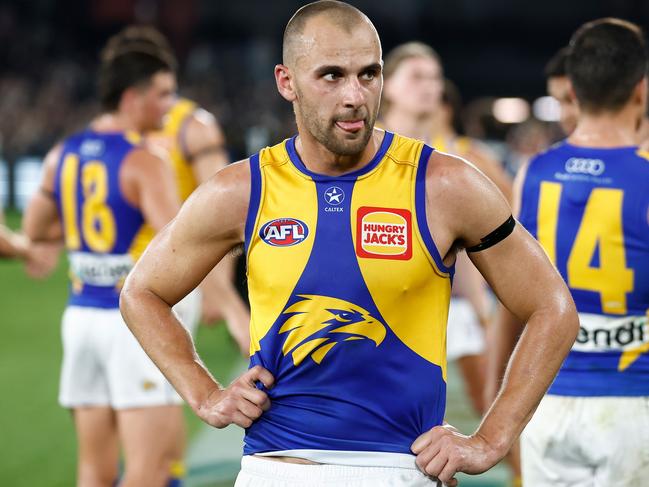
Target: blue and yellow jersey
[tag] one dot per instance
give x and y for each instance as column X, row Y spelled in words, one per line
column 170, row 138
column 349, row 301
column 588, row 208
column 104, row 234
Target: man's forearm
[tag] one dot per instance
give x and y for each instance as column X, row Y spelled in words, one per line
column 541, row 349
column 168, row 344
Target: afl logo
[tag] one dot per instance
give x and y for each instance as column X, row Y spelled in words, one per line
column 594, row 167
column 284, row 232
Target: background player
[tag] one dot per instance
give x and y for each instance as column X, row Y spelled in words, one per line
column 586, row 201
column 100, row 187
column 194, row 144
column 559, row 87
column 332, row 75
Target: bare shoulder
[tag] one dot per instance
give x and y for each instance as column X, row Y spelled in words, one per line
column 202, row 130
column 146, row 158
column 463, row 199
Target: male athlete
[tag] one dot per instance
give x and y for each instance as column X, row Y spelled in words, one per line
column 101, row 187
column 559, row 87
column 350, row 236
column 194, row 144
column 586, row 201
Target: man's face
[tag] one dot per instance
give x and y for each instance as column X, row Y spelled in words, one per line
column 154, row 100
column 559, row 87
column 337, row 82
column 416, row 86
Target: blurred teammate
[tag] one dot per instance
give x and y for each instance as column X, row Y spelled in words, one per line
column 195, row 146
column 351, row 235
column 586, row 200
column 559, row 87
column 102, row 187
column 419, row 103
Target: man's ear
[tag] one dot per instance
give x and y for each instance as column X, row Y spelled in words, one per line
column 284, row 80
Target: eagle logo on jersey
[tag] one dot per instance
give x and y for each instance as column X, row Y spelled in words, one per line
column 318, row 323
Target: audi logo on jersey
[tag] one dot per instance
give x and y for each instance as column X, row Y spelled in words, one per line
column 284, row 232
column 581, row 165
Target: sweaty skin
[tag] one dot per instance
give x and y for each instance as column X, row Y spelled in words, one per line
column 338, row 80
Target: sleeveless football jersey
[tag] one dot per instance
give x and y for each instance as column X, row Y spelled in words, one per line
column 588, row 208
column 104, row 234
column 349, row 301
column 170, row 137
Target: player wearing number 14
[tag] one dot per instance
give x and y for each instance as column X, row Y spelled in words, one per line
column 587, row 202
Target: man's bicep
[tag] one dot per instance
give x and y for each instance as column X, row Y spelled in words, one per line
column 520, row 274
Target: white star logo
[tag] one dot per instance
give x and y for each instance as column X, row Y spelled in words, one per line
column 334, row 195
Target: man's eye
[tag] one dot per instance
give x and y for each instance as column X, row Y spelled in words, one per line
column 331, row 76
column 368, row 75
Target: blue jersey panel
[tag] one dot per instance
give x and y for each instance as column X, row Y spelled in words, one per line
column 382, row 409
column 99, row 224
column 589, row 208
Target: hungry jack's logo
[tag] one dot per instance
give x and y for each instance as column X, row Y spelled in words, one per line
column 384, row 233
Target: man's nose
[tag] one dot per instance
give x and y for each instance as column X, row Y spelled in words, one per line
column 353, row 94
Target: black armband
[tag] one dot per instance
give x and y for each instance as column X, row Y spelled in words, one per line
column 210, row 149
column 500, row 233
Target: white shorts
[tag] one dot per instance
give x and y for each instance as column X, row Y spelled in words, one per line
column 587, row 442
column 259, row 472
column 189, row 310
column 104, row 365
column 464, row 334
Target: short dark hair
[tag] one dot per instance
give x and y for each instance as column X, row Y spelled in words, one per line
column 607, row 59
column 556, row 66
column 344, row 15
column 131, row 58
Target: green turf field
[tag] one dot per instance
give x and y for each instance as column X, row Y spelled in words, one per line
column 37, row 445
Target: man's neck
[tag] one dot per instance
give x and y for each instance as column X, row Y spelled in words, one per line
column 321, row 160
column 114, row 122
column 606, row 129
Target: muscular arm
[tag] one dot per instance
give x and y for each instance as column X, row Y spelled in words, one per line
column 469, row 207
column 209, row 225
column 205, row 147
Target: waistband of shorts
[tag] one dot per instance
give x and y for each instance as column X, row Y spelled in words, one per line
column 273, row 469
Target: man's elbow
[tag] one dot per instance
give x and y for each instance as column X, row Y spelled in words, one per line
column 566, row 316
column 127, row 299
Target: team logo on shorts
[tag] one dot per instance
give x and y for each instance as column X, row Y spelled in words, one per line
column 384, row 233
column 284, row 232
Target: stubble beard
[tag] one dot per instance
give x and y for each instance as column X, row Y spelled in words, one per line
column 325, row 132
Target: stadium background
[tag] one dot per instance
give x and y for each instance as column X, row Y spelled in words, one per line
column 493, row 50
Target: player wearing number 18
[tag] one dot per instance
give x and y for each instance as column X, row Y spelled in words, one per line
column 101, row 186
column 586, row 201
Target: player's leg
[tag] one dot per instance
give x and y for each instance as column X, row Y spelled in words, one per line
column 84, row 390
column 98, row 450
column 149, row 414
column 472, row 368
column 153, row 442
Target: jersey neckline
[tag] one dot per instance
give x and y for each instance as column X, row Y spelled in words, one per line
column 569, row 145
column 300, row 166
